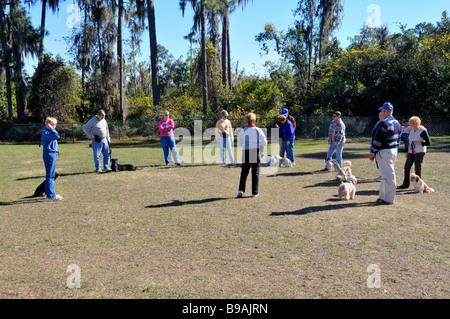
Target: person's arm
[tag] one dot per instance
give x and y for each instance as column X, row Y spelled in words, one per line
column 262, row 137
column 339, row 135
column 426, row 138
column 87, row 128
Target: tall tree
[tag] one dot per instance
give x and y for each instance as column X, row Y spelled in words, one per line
column 6, row 58
column 24, row 42
column 153, row 52
column 54, row 6
column 199, row 7
column 330, row 19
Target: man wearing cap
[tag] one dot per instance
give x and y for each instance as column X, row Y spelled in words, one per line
column 284, row 112
column 384, row 147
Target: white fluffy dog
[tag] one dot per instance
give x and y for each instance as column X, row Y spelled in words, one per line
column 277, row 161
column 347, row 190
column 331, row 164
column 344, row 172
column 419, row 185
column 273, row 160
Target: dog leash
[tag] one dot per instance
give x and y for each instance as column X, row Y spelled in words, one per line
column 371, row 161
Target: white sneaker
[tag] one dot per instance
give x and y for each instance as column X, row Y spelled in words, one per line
column 108, row 169
column 99, row 171
column 240, row 194
column 255, row 195
column 54, row 199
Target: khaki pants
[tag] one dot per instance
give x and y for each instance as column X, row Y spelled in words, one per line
column 386, row 163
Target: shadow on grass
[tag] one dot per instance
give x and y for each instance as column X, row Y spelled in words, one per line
column 178, row 203
column 24, row 201
column 316, row 209
column 297, row 174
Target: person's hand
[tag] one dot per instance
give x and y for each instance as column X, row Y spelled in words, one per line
column 288, row 143
column 372, row 156
column 335, row 147
column 49, row 126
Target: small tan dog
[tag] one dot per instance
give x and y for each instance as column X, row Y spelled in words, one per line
column 344, row 172
column 419, row 185
column 347, row 190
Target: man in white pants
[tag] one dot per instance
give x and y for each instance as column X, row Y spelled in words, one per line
column 385, row 141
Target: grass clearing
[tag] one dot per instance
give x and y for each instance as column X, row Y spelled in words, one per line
column 179, row 232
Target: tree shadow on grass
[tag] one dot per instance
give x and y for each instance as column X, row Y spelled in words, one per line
column 316, row 209
column 178, row 203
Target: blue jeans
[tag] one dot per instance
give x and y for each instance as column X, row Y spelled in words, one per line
column 50, row 166
column 289, row 150
column 226, row 142
column 98, row 149
column 282, row 150
column 168, row 142
column 339, row 150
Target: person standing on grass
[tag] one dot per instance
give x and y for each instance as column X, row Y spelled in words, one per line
column 224, row 135
column 252, row 140
column 49, row 142
column 336, row 139
column 97, row 130
column 285, row 113
column 384, row 148
column 288, row 137
column 166, row 126
column 418, row 141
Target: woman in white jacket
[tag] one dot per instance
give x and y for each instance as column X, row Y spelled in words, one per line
column 418, row 142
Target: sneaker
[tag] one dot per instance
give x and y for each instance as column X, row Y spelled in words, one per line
column 54, row 199
column 240, row 194
column 108, row 169
column 178, row 164
column 99, row 171
column 255, row 195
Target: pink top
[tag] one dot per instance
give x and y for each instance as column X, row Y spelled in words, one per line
column 166, row 127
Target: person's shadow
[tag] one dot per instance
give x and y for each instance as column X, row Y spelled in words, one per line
column 316, row 209
column 178, row 203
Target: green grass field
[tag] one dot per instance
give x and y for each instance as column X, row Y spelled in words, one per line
column 179, row 232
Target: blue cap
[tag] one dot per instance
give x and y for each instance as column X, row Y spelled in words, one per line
column 284, row 111
column 386, row 106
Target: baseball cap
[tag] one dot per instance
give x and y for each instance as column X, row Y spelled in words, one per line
column 284, row 111
column 386, row 106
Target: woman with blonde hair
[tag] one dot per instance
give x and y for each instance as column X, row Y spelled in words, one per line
column 50, row 150
column 418, row 142
column 224, row 135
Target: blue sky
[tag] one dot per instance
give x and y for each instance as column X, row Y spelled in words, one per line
column 171, row 26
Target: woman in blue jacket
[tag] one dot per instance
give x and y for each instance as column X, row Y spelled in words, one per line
column 287, row 132
column 50, row 144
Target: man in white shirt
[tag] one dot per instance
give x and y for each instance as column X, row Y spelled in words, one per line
column 97, row 130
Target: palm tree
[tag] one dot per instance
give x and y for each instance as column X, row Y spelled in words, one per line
column 5, row 34
column 226, row 8
column 199, row 7
column 24, row 41
column 153, row 52
column 54, row 6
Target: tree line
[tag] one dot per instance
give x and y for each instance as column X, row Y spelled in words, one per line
column 313, row 76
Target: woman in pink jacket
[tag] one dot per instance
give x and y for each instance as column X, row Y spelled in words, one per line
column 166, row 127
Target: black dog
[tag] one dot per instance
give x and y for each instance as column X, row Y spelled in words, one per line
column 116, row 167
column 40, row 190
